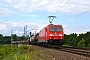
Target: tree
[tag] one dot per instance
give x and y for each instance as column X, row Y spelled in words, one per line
column 20, row 38
column 69, row 41
column 87, row 35
column 1, row 39
column 74, row 42
column 81, row 43
column 74, row 35
column 7, row 39
column 89, row 45
column 14, row 36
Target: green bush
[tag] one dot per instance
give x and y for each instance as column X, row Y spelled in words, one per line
column 24, row 52
column 81, row 43
column 89, row 45
column 2, row 53
column 24, row 47
column 65, row 45
column 6, row 50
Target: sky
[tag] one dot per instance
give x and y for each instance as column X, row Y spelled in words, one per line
column 73, row 15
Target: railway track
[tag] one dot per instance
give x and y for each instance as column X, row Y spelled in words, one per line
column 79, row 51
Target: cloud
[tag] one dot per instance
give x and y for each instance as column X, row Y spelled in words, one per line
column 9, row 7
column 17, row 27
column 19, row 32
column 26, row 7
column 76, row 29
column 6, row 12
column 4, row 28
column 28, row 15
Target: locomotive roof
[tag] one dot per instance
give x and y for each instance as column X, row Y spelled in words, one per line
column 54, row 25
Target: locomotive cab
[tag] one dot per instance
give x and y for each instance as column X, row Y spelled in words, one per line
column 55, row 34
column 52, row 34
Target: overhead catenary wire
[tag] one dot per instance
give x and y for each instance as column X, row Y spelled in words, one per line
column 58, row 9
column 72, row 16
column 61, row 7
column 76, row 16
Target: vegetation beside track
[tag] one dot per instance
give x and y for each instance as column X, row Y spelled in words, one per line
column 22, row 53
column 6, row 50
column 74, row 39
column 78, row 40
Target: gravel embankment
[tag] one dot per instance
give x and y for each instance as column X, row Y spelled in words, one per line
column 60, row 55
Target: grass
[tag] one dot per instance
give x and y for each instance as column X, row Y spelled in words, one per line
column 6, row 50
column 22, row 53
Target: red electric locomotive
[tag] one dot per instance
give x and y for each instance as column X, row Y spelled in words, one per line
column 51, row 34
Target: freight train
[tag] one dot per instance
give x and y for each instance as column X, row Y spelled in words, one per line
column 51, row 34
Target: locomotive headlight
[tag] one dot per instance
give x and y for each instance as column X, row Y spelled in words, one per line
column 60, row 35
column 51, row 35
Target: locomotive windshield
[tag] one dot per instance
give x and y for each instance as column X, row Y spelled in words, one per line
column 55, row 29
